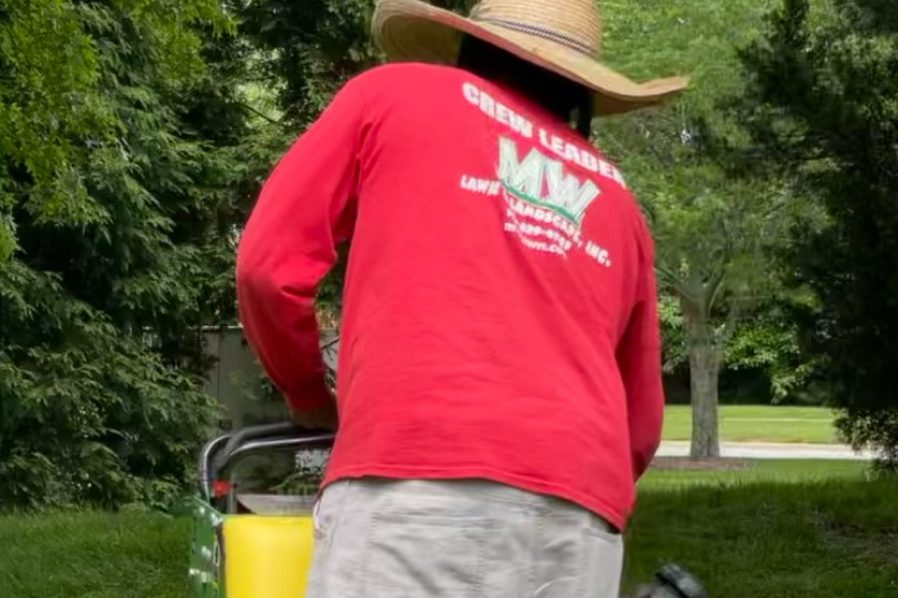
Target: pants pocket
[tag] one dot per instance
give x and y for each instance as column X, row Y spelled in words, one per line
column 326, row 517
column 577, row 559
column 413, row 555
column 604, row 553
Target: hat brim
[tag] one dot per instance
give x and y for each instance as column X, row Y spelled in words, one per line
column 411, row 30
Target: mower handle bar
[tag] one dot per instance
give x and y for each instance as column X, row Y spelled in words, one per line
column 220, row 456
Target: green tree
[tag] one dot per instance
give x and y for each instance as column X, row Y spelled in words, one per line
column 714, row 237
column 714, row 232
column 764, row 348
column 823, row 109
column 118, row 146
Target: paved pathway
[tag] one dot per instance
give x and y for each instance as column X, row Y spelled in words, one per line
column 767, row 450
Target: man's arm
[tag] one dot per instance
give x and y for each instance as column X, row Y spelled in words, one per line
column 319, row 418
column 306, row 208
column 639, row 360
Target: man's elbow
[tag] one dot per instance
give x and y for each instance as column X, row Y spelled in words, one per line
column 253, row 279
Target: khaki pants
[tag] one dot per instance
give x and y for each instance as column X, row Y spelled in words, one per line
column 458, row 539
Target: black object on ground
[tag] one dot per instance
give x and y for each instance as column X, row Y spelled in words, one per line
column 672, row 581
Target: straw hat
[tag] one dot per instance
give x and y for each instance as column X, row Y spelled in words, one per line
column 563, row 36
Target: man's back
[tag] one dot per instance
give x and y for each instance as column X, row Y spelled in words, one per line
column 499, row 318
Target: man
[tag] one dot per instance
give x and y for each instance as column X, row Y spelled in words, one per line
column 499, row 389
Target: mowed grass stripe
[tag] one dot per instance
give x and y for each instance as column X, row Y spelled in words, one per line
column 759, row 423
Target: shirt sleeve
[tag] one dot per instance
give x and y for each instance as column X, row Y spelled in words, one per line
column 306, row 208
column 639, row 360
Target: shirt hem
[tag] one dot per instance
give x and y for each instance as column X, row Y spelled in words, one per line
column 595, row 505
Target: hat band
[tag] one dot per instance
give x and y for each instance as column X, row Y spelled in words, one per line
column 542, row 32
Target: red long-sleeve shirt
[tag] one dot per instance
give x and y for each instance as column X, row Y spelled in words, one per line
column 500, row 315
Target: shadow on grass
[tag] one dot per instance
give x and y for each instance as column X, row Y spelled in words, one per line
column 836, row 538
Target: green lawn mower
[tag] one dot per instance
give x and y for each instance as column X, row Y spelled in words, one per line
column 248, row 545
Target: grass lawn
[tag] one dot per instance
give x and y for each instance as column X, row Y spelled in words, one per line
column 754, row 537
column 758, row 423
column 771, row 529
column 774, row 471
column 94, row 555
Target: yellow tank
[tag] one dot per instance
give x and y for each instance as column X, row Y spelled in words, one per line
column 267, row 556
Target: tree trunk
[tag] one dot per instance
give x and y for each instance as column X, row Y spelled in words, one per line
column 704, row 371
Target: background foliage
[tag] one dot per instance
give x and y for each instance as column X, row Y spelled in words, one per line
column 117, row 139
column 822, row 108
